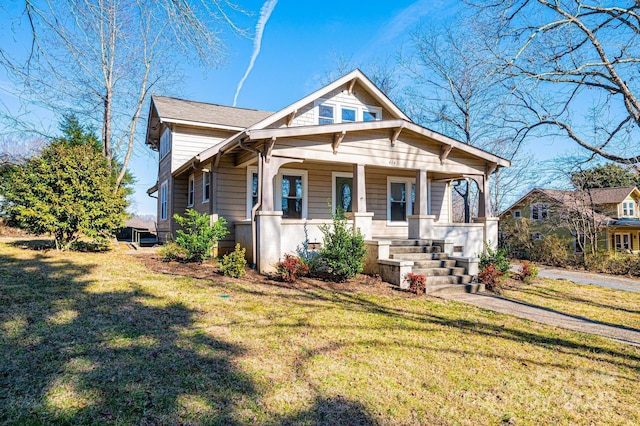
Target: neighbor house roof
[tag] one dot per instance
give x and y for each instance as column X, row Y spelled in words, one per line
column 610, row 195
column 174, row 110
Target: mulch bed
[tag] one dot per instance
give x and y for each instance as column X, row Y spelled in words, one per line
column 210, row 271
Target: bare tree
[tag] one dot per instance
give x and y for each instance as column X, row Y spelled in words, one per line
column 100, row 59
column 14, row 151
column 574, row 67
column 457, row 91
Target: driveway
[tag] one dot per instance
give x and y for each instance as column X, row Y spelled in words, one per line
column 581, row 277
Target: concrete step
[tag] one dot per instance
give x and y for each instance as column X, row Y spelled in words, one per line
column 414, row 249
column 448, row 279
column 442, row 289
column 447, row 263
column 395, row 243
column 419, row 256
column 432, row 272
column 435, row 263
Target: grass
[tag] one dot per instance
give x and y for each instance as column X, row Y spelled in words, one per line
column 98, row 338
column 616, row 307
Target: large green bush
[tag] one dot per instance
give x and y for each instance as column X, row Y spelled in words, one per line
column 343, row 250
column 66, row 191
column 552, row 250
column 497, row 257
column 198, row 236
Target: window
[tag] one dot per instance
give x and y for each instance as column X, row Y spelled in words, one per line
column 517, row 214
column 622, row 241
column 163, row 200
column 206, row 186
column 342, row 191
column 540, row 211
column 628, row 208
column 192, row 191
column 325, row 114
column 165, row 142
column 348, row 115
column 291, row 197
column 372, row 113
column 401, row 199
column 536, row 236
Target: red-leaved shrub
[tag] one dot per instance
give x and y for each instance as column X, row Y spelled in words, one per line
column 291, row 268
column 490, row 277
column 417, row 283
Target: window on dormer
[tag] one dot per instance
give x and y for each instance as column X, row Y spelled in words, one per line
column 348, row 115
column 325, row 114
column 628, row 208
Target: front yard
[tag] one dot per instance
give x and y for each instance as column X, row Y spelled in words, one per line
column 100, row 338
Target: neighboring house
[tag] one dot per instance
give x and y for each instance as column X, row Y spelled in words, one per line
column 276, row 177
column 613, row 210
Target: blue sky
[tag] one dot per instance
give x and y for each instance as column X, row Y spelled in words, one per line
column 300, row 41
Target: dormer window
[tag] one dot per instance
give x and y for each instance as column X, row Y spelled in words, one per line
column 628, row 209
column 348, row 115
column 325, row 114
column 371, row 114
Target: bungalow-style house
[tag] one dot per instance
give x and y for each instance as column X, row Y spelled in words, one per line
column 614, row 211
column 276, row 177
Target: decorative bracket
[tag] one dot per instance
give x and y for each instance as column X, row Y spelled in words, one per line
column 444, row 152
column 337, row 139
column 491, row 167
column 351, row 84
column 291, row 117
column 396, row 133
column 269, row 147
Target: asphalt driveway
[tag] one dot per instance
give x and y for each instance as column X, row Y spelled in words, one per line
column 581, row 277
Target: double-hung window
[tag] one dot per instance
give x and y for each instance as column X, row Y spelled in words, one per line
column 540, row 211
column 206, row 186
column 326, row 114
column 164, row 195
column 401, row 195
column 191, row 192
column 628, row 209
column 165, row 143
column 290, row 194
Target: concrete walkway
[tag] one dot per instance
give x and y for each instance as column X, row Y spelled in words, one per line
column 581, row 277
column 547, row 316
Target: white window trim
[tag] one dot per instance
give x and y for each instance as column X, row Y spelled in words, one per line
column 191, row 200
column 536, row 236
column 519, row 214
column 539, row 205
column 305, row 193
column 628, row 209
column 337, row 110
column 205, row 193
column 164, row 189
column 278, row 190
column 168, row 140
column 335, row 175
column 408, row 182
column 621, row 234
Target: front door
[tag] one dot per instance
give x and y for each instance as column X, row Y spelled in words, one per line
column 344, row 190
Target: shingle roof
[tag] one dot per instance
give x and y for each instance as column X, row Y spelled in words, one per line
column 610, row 195
column 180, row 109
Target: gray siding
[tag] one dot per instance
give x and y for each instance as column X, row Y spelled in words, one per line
column 189, row 141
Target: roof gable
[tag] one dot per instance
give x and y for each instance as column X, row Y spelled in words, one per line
column 612, row 195
column 347, row 81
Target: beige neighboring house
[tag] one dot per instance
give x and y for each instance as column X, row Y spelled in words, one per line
column 276, row 177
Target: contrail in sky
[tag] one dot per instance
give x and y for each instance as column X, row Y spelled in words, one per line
column 265, row 13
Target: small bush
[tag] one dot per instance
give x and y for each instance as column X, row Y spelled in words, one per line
column 551, row 250
column 498, row 258
column 490, row 276
column 528, row 271
column 172, row 252
column 342, row 252
column 198, row 236
column 291, row 268
column 232, row 264
column 417, row 283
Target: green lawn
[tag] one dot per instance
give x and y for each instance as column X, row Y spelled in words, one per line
column 97, row 338
column 616, row 307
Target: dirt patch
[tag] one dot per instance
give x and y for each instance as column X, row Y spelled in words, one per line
column 210, row 271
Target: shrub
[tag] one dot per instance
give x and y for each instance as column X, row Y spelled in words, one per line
column 497, row 258
column 232, row 264
column 342, row 252
column 417, row 283
column 291, row 268
column 198, row 236
column 172, row 251
column 528, row 271
column 551, row 250
column 490, row 276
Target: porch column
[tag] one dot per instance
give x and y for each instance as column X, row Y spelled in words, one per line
column 362, row 219
column 420, row 222
column 484, row 214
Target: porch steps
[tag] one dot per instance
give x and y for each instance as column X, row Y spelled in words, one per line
column 443, row 275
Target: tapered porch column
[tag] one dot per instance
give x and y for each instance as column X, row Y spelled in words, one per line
column 421, row 222
column 484, row 213
column 362, row 219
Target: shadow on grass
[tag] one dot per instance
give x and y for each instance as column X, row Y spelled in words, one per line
column 70, row 355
